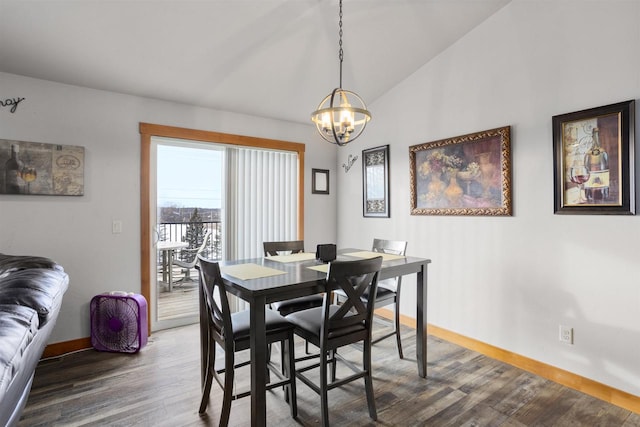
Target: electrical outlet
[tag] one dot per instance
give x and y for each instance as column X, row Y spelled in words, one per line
column 116, row 226
column 566, row 334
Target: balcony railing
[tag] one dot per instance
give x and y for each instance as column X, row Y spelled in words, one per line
column 177, row 231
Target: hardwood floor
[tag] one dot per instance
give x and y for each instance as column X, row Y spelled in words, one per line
column 160, row 386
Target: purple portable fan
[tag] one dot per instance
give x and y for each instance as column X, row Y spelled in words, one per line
column 118, row 322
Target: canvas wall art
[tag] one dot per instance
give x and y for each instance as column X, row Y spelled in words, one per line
column 34, row 168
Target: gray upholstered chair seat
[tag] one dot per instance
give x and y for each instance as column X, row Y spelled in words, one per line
column 274, row 322
column 311, row 321
column 287, row 307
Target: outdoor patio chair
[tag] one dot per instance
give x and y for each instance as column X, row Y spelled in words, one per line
column 186, row 259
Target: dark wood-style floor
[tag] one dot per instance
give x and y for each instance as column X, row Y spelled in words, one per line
column 160, row 386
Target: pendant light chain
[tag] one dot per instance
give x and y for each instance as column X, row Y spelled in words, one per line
column 340, row 52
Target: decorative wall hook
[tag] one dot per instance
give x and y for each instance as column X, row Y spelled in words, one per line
column 350, row 161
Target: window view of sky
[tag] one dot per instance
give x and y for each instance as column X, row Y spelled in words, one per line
column 189, row 177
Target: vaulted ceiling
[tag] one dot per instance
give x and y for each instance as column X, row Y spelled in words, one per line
column 270, row 58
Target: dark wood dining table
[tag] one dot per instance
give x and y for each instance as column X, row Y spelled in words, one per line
column 300, row 280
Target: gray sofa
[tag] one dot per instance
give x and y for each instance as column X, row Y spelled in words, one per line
column 31, row 291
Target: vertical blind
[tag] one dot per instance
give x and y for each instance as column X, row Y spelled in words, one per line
column 261, row 200
column 261, row 203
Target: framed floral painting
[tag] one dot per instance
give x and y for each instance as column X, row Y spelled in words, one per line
column 465, row 175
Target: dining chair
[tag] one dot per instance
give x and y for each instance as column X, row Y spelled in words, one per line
column 295, row 304
column 231, row 333
column 388, row 289
column 333, row 326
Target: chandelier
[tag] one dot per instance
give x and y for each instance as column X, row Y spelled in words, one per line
column 342, row 115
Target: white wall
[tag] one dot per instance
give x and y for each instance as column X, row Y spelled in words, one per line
column 510, row 281
column 76, row 231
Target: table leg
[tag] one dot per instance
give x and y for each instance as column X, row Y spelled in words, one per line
column 258, row 342
column 421, row 327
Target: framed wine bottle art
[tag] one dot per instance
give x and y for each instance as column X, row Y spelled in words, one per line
column 34, row 168
column 593, row 156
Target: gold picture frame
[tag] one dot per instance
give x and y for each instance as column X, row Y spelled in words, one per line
column 464, row 175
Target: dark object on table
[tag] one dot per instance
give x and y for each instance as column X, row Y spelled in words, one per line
column 326, row 252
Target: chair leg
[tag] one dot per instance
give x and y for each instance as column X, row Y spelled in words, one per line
column 368, row 380
column 324, row 398
column 282, row 357
column 229, row 373
column 397, row 325
column 332, row 355
column 208, row 380
column 290, row 368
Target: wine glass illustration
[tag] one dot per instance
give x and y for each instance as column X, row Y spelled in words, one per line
column 28, row 175
column 579, row 175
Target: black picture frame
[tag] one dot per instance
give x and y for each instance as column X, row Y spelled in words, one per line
column 580, row 186
column 375, row 182
column 320, row 181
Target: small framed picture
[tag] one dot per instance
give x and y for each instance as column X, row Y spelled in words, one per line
column 375, row 182
column 593, row 161
column 320, row 181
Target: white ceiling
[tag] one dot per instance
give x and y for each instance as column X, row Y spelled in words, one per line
column 270, row 58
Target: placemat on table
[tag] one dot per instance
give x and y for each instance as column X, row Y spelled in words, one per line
column 302, row 256
column 323, row 268
column 250, row 271
column 371, row 254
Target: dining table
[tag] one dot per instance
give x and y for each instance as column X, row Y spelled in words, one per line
column 260, row 281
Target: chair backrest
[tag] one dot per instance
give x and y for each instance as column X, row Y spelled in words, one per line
column 395, row 247
column 354, row 315
column 212, row 290
column 273, row 248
